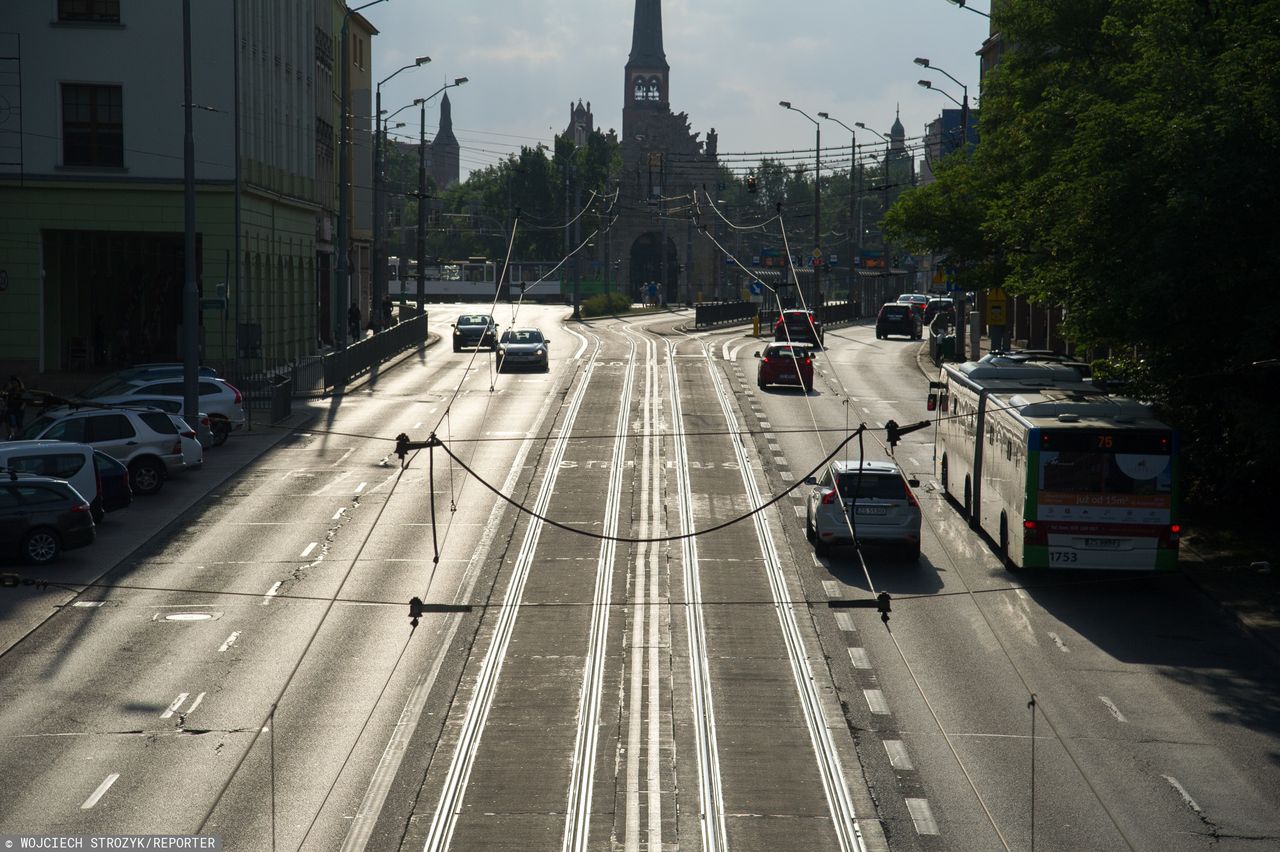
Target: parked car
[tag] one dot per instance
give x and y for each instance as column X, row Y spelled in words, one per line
column 786, row 364
column 917, row 301
column 147, row 442
column 523, row 347
column 936, row 306
column 40, row 517
column 220, row 399
column 141, row 372
column 113, row 483
column 798, row 326
column 209, row 433
column 898, row 318
column 192, row 450
column 478, row 330
column 56, row 460
column 875, row 494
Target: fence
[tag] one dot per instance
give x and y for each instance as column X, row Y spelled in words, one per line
column 270, row 392
column 708, row 314
column 830, row 314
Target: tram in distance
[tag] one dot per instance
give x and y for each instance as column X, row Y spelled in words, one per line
column 473, row 280
column 1057, row 472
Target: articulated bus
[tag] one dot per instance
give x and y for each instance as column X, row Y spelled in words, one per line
column 1058, row 473
column 474, row 280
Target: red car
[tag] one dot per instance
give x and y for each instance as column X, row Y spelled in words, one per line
column 786, row 364
column 797, row 325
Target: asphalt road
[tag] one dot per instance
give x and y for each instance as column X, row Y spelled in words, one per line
column 253, row 674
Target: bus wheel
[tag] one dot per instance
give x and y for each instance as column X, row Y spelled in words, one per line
column 944, row 476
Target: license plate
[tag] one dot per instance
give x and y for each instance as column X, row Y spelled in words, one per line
column 872, row 510
column 787, row 377
column 1109, row 543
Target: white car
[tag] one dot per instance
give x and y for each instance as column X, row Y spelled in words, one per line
column 220, row 399
column 874, row 497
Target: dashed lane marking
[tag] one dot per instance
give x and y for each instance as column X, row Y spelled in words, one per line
column 360, row 487
column 177, row 702
column 922, row 816
column 101, row 791
column 832, row 588
column 271, row 592
column 876, row 702
column 306, row 551
column 858, row 656
column 231, row 640
column 1182, row 791
column 1057, row 640
column 338, row 514
column 1111, row 705
column 844, row 621
column 799, row 514
column 88, row 604
column 898, row 757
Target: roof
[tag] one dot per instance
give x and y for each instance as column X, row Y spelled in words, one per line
column 866, row 466
column 1053, row 406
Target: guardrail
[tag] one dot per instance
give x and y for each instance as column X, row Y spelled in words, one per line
column 830, row 314
column 708, row 314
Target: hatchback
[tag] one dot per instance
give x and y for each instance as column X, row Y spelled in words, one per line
column 147, row 442
column 898, row 318
column 874, row 498
column 917, row 301
column 56, row 460
column 523, row 347
column 40, row 517
column 798, row 326
column 937, row 306
column 786, row 364
column 478, row 330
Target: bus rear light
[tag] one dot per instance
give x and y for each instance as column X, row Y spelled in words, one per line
column 1028, row 525
column 933, row 402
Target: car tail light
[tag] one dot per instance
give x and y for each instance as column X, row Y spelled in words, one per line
column 1175, row 533
column 190, row 433
column 239, row 396
column 764, row 359
column 1029, row 525
column 829, row 497
column 808, row 361
column 80, row 507
column 911, row 498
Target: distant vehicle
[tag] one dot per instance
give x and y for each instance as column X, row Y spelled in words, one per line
column 192, row 451
column 875, row 495
column 113, row 479
column 798, row 326
column 478, row 330
column 40, row 517
column 145, row 441
column 56, row 460
column 218, row 398
column 786, row 364
column 936, row 306
column 917, row 301
column 523, row 347
column 899, row 318
column 1056, row 472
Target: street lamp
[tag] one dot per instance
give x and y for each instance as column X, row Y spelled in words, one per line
column 422, row 187
column 964, row 107
column 379, row 215
column 929, row 85
column 817, row 197
column 961, row 4
column 853, row 191
column 344, row 176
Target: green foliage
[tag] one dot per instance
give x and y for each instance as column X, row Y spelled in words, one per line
column 1127, row 171
column 605, row 304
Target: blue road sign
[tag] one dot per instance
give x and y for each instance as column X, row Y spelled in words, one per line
column 757, row 289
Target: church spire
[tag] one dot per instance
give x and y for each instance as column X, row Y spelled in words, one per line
column 445, row 133
column 646, row 36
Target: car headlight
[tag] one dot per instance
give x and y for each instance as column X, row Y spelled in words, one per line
column 502, row 350
column 456, row 332
column 541, row 352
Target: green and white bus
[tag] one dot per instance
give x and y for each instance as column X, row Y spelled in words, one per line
column 1056, row 472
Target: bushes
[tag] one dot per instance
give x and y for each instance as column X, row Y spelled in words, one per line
column 606, row 303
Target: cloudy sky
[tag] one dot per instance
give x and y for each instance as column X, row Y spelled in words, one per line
column 731, row 62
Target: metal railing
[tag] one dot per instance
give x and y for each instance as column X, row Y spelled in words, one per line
column 708, row 314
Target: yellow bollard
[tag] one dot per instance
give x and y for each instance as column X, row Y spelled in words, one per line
column 755, row 326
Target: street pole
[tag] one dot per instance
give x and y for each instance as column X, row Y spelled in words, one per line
column 817, row 214
column 379, row 130
column 422, row 207
column 344, row 179
column 235, row 287
column 577, row 241
column 190, row 306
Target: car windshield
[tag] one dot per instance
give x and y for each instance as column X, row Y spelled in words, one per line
column 475, row 319
column 113, row 386
column 523, row 336
column 33, row 429
column 800, row 352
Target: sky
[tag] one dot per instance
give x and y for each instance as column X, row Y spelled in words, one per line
column 731, row 62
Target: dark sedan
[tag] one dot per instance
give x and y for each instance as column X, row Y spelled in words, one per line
column 899, row 318
column 41, row 517
column 475, row 330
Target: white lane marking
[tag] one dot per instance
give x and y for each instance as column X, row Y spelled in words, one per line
column 272, row 592
column 417, row 425
column 765, row 424
column 194, row 704
column 898, row 757
column 866, row 410
column 922, row 816
column 100, row 792
column 231, row 640
column 1111, row 705
column 343, row 457
column 360, row 487
column 913, row 462
column 780, row 460
column 582, row 348
column 858, row 656
column 800, row 511
column 339, row 513
column 786, row 476
column 306, row 551
column 88, row 604
column 844, row 621
column 832, row 588
column 177, row 702
column 876, row 702
column 449, row 805
column 577, row 825
column 653, row 761
column 1057, row 640
column 1182, row 791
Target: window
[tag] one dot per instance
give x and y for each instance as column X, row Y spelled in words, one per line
column 59, row 465
column 160, row 423
column 93, row 11
column 8, row 498
column 71, row 429
column 92, row 125
column 110, row 427
column 37, row 495
column 164, row 389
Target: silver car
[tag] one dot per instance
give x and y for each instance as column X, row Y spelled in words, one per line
column 147, row 442
column 523, row 347
column 874, row 497
column 220, row 399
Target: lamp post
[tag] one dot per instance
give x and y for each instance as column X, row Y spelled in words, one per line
column 379, row 215
column 344, row 176
column 884, row 204
column 422, row 187
column 961, row 4
column 817, row 197
column 964, row 105
column 853, row 190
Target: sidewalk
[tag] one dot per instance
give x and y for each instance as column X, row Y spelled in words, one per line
column 1242, row 584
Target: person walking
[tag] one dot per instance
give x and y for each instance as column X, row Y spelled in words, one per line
column 15, row 402
column 353, row 321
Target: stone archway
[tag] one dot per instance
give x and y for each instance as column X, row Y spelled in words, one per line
column 646, row 265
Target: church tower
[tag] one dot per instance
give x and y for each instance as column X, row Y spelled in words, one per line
column 445, row 165
column 645, row 87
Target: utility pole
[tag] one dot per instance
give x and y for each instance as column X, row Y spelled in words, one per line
column 577, row 241
column 190, row 296
column 818, row 260
column 422, row 208
column 235, row 287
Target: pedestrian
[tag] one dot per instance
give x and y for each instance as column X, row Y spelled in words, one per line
column 386, row 312
column 15, row 401
column 353, row 321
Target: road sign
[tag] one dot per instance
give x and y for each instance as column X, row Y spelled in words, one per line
column 997, row 306
column 756, row 288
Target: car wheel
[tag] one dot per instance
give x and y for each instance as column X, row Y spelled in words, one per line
column 809, row 533
column 220, row 429
column 913, row 551
column 96, row 511
column 146, row 476
column 820, row 547
column 760, row 382
column 41, row 546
